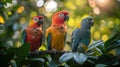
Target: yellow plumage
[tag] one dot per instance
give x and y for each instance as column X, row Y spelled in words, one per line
column 57, row 37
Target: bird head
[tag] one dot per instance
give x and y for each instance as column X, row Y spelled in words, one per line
column 36, row 21
column 60, row 17
column 87, row 22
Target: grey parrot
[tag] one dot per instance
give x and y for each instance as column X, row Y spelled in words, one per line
column 81, row 36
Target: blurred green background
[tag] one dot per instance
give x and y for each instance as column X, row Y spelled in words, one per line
column 16, row 14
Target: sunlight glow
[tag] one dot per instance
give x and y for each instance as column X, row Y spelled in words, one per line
column 22, row 20
column 18, row 44
column 96, row 10
column 16, row 35
column 105, row 37
column 33, row 13
column 15, row 26
column 20, row 9
column 8, row 5
column 51, row 6
column 70, row 5
column 111, row 24
column 96, row 35
column 102, row 3
column 2, row 20
column 71, row 22
column 92, row 3
column 9, row 13
column 39, row 3
column 10, row 43
column 14, row 2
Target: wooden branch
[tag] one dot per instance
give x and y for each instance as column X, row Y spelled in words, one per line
column 49, row 52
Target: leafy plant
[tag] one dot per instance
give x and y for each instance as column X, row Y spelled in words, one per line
column 13, row 56
column 97, row 53
column 21, row 53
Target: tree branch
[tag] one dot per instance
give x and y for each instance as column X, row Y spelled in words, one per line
column 49, row 52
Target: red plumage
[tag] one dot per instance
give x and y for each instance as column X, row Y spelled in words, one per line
column 34, row 33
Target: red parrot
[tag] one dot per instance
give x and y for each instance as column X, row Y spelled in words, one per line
column 56, row 33
column 33, row 33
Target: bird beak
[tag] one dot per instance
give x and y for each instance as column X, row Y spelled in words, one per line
column 40, row 22
column 92, row 22
column 66, row 18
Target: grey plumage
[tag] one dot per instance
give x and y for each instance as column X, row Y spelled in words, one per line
column 82, row 35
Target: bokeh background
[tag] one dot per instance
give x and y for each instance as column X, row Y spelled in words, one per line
column 16, row 14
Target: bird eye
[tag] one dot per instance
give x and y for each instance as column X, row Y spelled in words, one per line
column 36, row 19
column 61, row 15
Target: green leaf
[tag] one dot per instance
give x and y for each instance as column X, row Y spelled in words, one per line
column 100, row 65
column 90, row 61
column 95, row 44
column 93, row 57
column 116, row 63
column 109, row 41
column 90, row 53
column 99, row 50
column 49, row 58
column 22, row 52
column 37, row 59
column 13, row 63
column 68, row 42
column 80, row 58
column 43, row 47
column 6, row 56
column 114, row 45
column 65, row 57
column 52, row 64
column 36, row 62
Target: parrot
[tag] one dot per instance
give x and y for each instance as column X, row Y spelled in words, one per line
column 56, row 33
column 82, row 36
column 33, row 33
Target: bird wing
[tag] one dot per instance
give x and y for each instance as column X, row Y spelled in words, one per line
column 65, row 36
column 24, row 35
column 48, row 39
column 41, row 39
column 75, row 40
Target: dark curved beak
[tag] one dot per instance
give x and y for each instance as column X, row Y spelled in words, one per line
column 66, row 18
column 91, row 22
column 40, row 22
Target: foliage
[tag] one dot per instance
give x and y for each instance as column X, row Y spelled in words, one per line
column 10, row 55
column 92, row 57
column 14, row 19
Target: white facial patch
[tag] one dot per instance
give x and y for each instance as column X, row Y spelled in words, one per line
column 61, row 15
column 35, row 19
